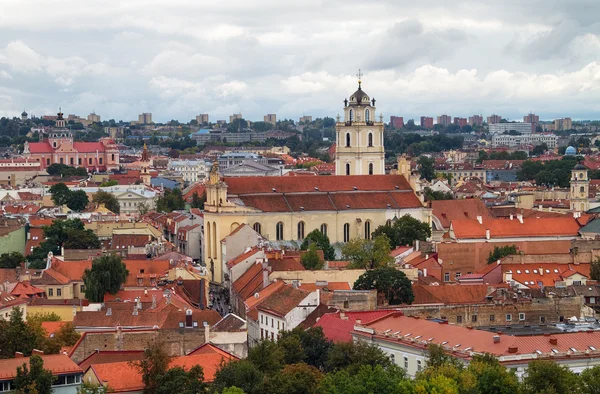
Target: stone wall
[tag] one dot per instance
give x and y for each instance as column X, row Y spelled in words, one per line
column 354, row 300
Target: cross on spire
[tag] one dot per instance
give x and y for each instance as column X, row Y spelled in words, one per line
column 359, row 75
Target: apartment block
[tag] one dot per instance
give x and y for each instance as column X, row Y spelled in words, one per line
column 234, row 117
column 476, row 120
column 271, row 118
column 563, row 124
column 305, row 119
column 202, row 118
column 460, row 121
column 145, row 118
column 531, row 118
column 493, row 119
column 444, row 120
column 397, row 122
column 427, row 122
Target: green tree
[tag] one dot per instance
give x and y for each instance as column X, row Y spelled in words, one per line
column 237, row 125
column 426, row 167
column 112, row 182
column 391, row 285
column 350, row 356
column 404, row 231
column 595, row 269
column 491, row 377
column 368, row 380
column 153, row 366
column 545, row 376
column 109, row 200
column 241, row 374
column 311, row 260
column 66, row 335
column 35, row 379
column 198, row 202
column 16, row 335
column 262, row 126
column 295, row 379
column 178, row 380
column 322, row 242
column 314, row 346
column 171, row 200
column 431, row 195
column 233, row 390
column 77, row 200
column 501, row 251
column 11, row 260
column 91, row 388
column 107, row 275
column 143, row 208
column 267, row 357
column 590, row 380
column 539, row 149
column 82, row 239
column 368, row 254
column 60, row 194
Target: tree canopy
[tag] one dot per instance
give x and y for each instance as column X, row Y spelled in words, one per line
column 322, row 243
column 11, row 260
column 107, row 274
column 368, row 254
column 404, row 231
column 171, row 200
column 76, row 200
column 426, row 167
column 311, row 259
column 109, row 200
column 500, row 252
column 33, row 379
column 391, row 284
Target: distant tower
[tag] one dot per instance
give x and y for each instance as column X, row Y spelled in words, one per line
column 61, row 123
column 145, row 167
column 23, row 115
column 580, row 186
column 359, row 138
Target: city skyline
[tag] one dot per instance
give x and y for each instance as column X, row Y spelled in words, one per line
column 429, row 59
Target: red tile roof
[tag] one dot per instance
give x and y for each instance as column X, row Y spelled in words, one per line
column 40, row 147
column 337, row 329
column 109, row 356
column 263, row 294
column 283, row 300
column 51, row 327
column 26, row 289
column 250, row 282
column 449, row 294
column 235, row 261
column 449, row 210
column 531, row 227
column 547, row 274
column 58, row 364
column 88, row 147
column 330, row 286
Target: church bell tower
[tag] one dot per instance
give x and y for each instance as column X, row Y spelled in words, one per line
column 359, row 138
column 580, row 187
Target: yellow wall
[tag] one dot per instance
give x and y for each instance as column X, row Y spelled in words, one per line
column 64, row 311
column 66, row 291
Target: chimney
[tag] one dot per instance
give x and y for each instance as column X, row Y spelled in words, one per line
column 496, row 338
column 38, row 352
column 206, row 332
column 135, row 310
column 487, row 233
column 343, row 316
column 513, row 349
column 424, row 271
column 265, row 277
column 553, row 341
column 18, row 355
column 202, row 302
column 153, row 301
column 480, row 219
column 511, row 216
column 108, row 311
column 520, row 218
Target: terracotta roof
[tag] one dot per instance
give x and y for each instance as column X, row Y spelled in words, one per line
column 40, row 147
column 26, row 289
column 58, row 364
column 532, row 227
column 468, row 208
column 283, row 300
column 399, row 250
column 229, row 323
column 337, row 329
column 235, row 261
column 330, row 286
column 546, row 274
column 250, row 282
column 51, row 327
column 109, row 356
column 88, row 147
column 263, row 294
column 449, row 294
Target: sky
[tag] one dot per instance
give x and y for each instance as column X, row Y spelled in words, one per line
column 179, row 58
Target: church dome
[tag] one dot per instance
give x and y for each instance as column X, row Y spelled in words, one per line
column 580, row 166
column 570, row 151
column 359, row 97
column 23, row 113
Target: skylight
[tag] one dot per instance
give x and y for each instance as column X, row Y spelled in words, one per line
column 555, row 271
column 445, row 342
column 547, row 271
column 554, row 351
column 573, row 349
column 538, row 351
column 518, row 271
column 535, row 271
column 526, row 271
column 591, row 347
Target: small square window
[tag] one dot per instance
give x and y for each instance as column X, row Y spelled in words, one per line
column 474, row 319
column 492, row 317
column 508, row 317
column 459, row 319
column 405, row 362
column 58, row 292
column 521, row 316
column 446, row 276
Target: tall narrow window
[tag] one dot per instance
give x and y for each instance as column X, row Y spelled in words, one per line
column 279, row 231
column 367, row 115
column 300, row 230
column 347, row 140
column 370, row 139
column 257, row 228
column 208, row 240
column 351, row 113
column 367, row 230
column 347, row 168
column 324, row 229
column 370, row 168
column 346, row 232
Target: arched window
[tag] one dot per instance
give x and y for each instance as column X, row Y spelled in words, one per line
column 214, row 239
column 370, row 139
column 208, row 240
column 257, row 228
column 347, row 140
column 300, row 230
column 324, row 229
column 346, row 232
column 581, row 189
column 388, row 222
column 367, row 230
column 370, row 168
column 367, row 115
column 347, row 168
column 351, row 115
column 279, row 231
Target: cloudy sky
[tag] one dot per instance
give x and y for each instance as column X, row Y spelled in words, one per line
column 178, row 58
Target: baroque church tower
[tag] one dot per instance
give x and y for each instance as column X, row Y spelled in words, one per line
column 580, row 187
column 359, row 138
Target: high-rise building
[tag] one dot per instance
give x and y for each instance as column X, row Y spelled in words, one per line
column 493, row 119
column 234, row 117
column 397, row 122
column 202, row 118
column 427, row 122
column 531, row 118
column 444, row 120
column 305, row 119
column 359, row 142
column 462, row 122
column 93, row 118
column 145, row 118
column 563, row 124
column 476, row 120
column 271, row 118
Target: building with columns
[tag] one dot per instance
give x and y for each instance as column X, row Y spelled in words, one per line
column 59, row 147
column 359, row 138
column 580, row 187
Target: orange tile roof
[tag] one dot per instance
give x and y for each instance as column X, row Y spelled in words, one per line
column 250, row 282
column 502, row 228
column 110, row 356
column 283, row 300
column 547, row 274
column 449, row 210
column 263, row 294
column 25, row 288
column 51, row 327
column 338, row 329
column 330, row 286
column 235, row 261
column 58, row 364
column 449, row 294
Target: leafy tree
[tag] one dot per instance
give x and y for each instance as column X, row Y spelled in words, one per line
column 91, row 388
column 314, row 345
column 368, row 254
column 590, row 380
column 311, row 260
column 237, row 125
column 77, row 200
column 85, row 239
column 198, row 202
column 143, row 208
column 548, row 377
column 267, row 357
column 16, row 335
column 431, row 195
column 491, row 377
column 35, row 379
column 262, row 126
column 112, row 182
column 500, row 252
column 436, row 384
column 109, row 200
column 178, row 380
column 66, row 335
column 351, row 356
column 595, row 269
column 295, row 379
column 153, row 366
column 11, row 260
column 368, row 380
column 321, row 241
column 42, row 317
column 172, row 200
column 391, row 285
column 404, row 231
column 242, row 374
column 60, row 194
column 539, row 149
column 426, row 167
column 107, row 275
column 233, row 390
column 64, row 170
